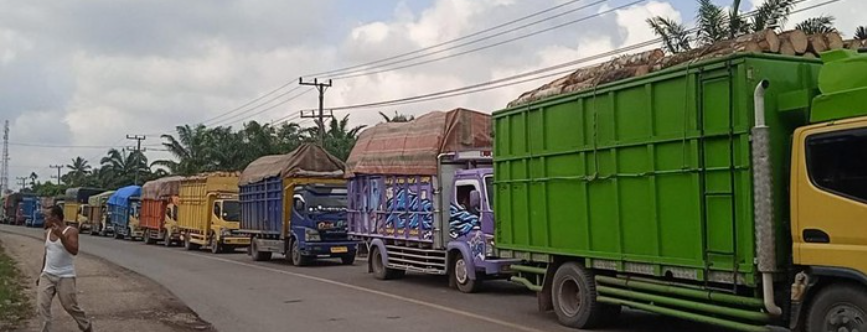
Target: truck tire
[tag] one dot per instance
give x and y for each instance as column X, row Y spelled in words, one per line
column 189, row 245
column 148, row 239
column 461, row 277
column 574, row 296
column 94, row 231
column 258, row 256
column 167, row 240
column 348, row 259
column 295, row 254
column 379, row 270
column 216, row 246
column 841, row 307
column 118, row 236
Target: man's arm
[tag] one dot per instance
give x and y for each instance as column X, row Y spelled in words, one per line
column 69, row 240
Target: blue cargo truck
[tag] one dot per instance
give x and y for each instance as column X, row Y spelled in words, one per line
column 295, row 205
column 123, row 209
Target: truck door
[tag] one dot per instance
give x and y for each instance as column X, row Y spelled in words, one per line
column 465, row 216
column 829, row 209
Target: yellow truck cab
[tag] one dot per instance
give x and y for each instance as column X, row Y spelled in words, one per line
column 209, row 213
column 76, row 209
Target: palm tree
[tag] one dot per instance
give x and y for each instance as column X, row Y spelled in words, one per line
column 861, row 33
column 123, row 168
column 712, row 23
column 78, row 171
column 397, row 117
column 772, row 13
column 339, row 138
column 226, row 150
column 289, row 136
column 675, row 38
column 821, row 24
column 189, row 149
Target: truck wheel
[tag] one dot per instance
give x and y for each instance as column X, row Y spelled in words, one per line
column 167, row 240
column 379, row 270
column 574, row 296
column 216, row 247
column 118, row 236
column 257, row 255
column 461, row 275
column 839, row 308
column 297, row 258
column 148, row 239
column 189, row 245
column 348, row 259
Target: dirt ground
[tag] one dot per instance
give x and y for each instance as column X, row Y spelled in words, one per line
column 115, row 298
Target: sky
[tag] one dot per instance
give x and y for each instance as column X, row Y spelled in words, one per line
column 80, row 75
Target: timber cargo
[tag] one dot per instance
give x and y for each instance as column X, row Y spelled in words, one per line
column 295, row 205
column 209, row 212
column 418, row 202
column 694, row 192
column 159, row 210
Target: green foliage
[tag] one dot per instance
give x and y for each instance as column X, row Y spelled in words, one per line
column 712, row 23
column 821, row 24
column 14, row 303
column 675, row 38
column 397, row 117
column 772, row 13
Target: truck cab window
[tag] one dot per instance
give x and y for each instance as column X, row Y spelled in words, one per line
column 489, row 190
column 217, row 210
column 298, row 203
column 836, row 162
column 463, row 198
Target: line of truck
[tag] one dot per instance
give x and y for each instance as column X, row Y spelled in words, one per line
column 731, row 192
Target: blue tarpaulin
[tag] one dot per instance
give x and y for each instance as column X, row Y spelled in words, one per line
column 121, row 196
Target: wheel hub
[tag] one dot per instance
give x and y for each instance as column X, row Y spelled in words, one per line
column 845, row 318
column 570, row 297
column 461, row 274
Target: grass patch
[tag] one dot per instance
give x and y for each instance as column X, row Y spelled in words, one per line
column 14, row 302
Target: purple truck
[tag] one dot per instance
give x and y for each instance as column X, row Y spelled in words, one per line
column 419, row 198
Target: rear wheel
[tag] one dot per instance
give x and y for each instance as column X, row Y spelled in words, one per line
column 297, row 258
column 574, row 296
column 461, row 275
column 839, row 308
column 379, row 270
column 257, row 255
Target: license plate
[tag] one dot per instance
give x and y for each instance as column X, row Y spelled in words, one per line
column 339, row 250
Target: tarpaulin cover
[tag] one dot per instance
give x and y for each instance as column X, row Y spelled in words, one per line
column 411, row 148
column 308, row 160
column 121, row 196
column 161, row 188
column 80, row 195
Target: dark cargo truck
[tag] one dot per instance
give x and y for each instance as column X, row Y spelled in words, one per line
column 295, row 205
column 418, row 198
column 730, row 191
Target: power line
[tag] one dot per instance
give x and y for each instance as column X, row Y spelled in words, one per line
column 344, row 70
column 223, row 123
column 457, row 91
column 250, row 102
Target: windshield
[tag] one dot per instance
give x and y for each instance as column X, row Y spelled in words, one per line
column 489, row 188
column 231, row 211
column 326, row 197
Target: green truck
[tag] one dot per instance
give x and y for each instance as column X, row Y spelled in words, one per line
column 731, row 191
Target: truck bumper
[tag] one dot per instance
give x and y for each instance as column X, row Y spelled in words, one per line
column 236, row 241
column 497, row 267
column 333, row 249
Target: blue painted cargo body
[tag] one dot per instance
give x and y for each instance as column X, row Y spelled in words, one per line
column 262, row 206
column 30, row 207
column 121, row 206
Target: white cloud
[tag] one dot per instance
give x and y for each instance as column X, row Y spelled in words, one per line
column 632, row 20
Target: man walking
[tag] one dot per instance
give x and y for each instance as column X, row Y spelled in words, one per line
column 58, row 271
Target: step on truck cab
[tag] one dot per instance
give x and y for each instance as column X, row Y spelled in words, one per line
column 76, row 210
column 295, row 205
column 159, row 210
column 418, row 198
column 124, row 208
column 731, row 191
column 209, row 212
column 98, row 216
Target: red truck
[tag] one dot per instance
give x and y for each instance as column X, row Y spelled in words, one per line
column 159, row 210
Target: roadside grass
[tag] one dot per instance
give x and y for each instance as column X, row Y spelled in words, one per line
column 14, row 303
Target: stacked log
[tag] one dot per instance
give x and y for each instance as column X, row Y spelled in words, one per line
column 789, row 43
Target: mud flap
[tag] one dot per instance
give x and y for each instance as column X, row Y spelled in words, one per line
column 544, row 298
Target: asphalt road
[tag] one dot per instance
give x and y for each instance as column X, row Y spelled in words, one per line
column 236, row 294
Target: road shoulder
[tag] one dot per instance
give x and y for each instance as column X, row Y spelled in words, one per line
column 115, row 298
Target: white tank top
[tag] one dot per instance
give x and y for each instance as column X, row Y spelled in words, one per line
column 58, row 261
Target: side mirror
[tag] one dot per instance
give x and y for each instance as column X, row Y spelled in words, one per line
column 475, row 199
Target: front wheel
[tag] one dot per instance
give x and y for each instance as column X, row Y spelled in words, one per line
column 460, row 274
column 574, row 296
column 216, row 246
column 118, row 235
column 189, row 245
column 148, row 239
column 167, row 240
column 839, row 308
column 297, row 258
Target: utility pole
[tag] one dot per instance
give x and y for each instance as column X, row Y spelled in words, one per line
column 58, row 167
column 4, row 172
column 23, row 182
column 138, row 139
column 321, row 87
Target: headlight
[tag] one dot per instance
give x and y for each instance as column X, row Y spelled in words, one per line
column 489, row 247
column 311, row 234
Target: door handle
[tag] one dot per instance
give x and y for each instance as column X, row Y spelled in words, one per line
column 816, row 236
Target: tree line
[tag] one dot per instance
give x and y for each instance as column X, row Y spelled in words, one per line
column 198, row 148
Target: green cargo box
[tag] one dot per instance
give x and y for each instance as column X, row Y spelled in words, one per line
column 649, row 175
